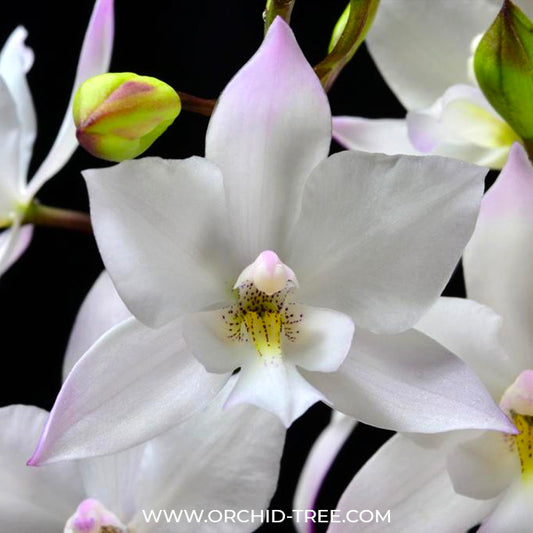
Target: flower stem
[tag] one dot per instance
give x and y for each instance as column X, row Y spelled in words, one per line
column 43, row 215
column 194, row 104
column 360, row 18
column 283, row 8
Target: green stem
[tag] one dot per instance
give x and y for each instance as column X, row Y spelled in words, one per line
column 194, row 104
column 274, row 8
column 42, row 215
column 361, row 15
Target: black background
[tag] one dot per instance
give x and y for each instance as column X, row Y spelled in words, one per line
column 196, row 47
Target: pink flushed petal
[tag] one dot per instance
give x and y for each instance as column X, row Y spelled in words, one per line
column 512, row 192
column 95, row 58
column 271, row 127
column 519, row 396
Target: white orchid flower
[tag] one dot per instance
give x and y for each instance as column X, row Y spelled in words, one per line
column 18, row 127
column 211, row 462
column 213, row 257
column 424, row 50
column 458, row 480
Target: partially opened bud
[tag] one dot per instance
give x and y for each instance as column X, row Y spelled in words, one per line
column 119, row 115
column 503, row 64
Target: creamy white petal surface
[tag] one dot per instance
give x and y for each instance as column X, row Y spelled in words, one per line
column 15, row 61
column 162, row 232
column 497, row 259
column 408, row 382
column 101, row 310
column 133, row 384
column 379, row 237
column 272, row 126
column 413, row 483
column 472, row 332
column 411, row 43
column 483, row 467
column 32, row 499
column 388, row 136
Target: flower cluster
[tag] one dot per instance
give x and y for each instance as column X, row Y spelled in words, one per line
column 243, row 287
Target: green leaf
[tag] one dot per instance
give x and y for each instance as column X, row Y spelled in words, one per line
column 503, row 64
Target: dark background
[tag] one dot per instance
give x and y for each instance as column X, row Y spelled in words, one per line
column 196, row 47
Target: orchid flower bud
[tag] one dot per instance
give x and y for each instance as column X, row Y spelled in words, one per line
column 503, row 63
column 119, row 115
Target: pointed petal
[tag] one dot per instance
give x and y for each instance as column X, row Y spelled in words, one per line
column 161, row 229
column 16, row 60
column 10, row 171
column 409, row 383
column 271, row 127
column 497, row 259
column 276, row 386
column 216, row 460
column 379, row 236
column 411, row 43
column 387, row 136
column 319, row 461
column 13, row 243
column 32, row 499
column 483, row 467
column 95, row 57
column 133, row 384
column 101, row 310
column 471, row 331
column 513, row 513
column 412, row 483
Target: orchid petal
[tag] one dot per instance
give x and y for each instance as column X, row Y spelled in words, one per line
column 323, row 340
column 101, row 310
column 95, row 57
column 161, row 230
column 115, row 479
column 378, row 237
column 410, row 383
column 13, row 243
column 10, row 180
column 32, row 499
column 388, row 136
column 276, row 386
column 497, row 260
column 471, row 331
column 412, row 483
column 16, row 60
column 271, row 127
column 216, row 460
column 483, row 467
column 411, row 43
column 133, row 384
column 462, row 124
column 513, row 513
column 319, row 461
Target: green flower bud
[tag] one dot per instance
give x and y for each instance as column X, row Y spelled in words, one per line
column 503, row 64
column 119, row 115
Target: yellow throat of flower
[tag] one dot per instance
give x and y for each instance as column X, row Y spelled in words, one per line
column 523, row 443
